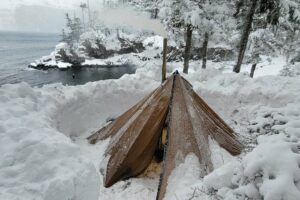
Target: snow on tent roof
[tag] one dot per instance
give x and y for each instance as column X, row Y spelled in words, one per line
column 136, row 133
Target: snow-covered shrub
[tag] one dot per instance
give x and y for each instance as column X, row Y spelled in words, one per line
column 269, row 172
column 96, row 50
column 269, row 169
column 291, row 70
column 71, row 57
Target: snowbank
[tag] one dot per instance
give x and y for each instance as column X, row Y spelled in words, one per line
column 265, row 112
column 185, row 181
column 39, row 160
column 44, row 154
column 268, row 107
column 154, row 42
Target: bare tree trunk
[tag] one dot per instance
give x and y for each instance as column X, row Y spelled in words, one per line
column 204, row 49
column 245, row 36
column 155, row 13
column 187, row 51
column 164, row 65
column 252, row 70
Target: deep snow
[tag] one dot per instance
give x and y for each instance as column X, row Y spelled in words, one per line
column 44, row 154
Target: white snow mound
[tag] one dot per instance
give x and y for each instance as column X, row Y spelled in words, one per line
column 37, row 161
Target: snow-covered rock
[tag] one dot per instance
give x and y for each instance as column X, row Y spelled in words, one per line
column 98, row 46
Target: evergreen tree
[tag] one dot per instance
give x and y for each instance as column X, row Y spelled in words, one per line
column 215, row 22
column 64, row 36
column 181, row 17
column 74, row 30
column 267, row 13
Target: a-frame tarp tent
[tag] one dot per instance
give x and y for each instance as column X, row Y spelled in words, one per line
column 136, row 133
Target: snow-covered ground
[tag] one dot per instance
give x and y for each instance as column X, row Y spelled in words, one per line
column 44, row 154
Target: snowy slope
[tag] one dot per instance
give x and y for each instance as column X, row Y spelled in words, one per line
column 45, row 154
column 38, row 159
column 270, row 106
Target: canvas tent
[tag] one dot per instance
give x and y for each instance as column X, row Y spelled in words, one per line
column 136, row 134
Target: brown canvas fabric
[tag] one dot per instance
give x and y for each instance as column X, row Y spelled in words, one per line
column 185, row 135
column 190, row 125
column 112, row 128
column 214, row 125
column 136, row 133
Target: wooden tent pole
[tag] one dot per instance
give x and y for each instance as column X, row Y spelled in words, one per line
column 164, row 65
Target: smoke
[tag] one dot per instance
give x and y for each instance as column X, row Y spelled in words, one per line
column 48, row 15
column 39, row 19
column 39, row 15
column 127, row 16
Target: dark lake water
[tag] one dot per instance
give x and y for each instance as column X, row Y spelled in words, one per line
column 18, row 50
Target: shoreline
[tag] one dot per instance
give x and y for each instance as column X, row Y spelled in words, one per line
column 45, row 67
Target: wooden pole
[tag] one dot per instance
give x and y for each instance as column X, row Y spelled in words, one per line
column 252, row 70
column 164, row 65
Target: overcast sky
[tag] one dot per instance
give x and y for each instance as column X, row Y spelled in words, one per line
column 38, row 15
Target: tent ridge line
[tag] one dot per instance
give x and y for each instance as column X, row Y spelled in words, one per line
column 206, row 159
column 168, row 137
